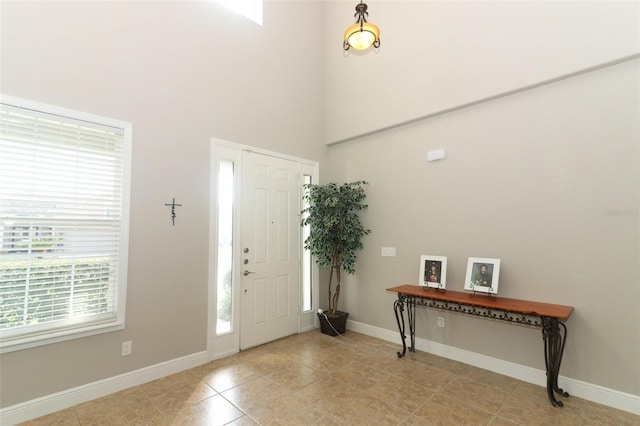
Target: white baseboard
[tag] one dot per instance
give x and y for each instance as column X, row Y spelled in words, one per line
column 578, row 388
column 70, row 397
column 221, row 355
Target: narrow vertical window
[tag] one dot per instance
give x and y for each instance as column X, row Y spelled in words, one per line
column 307, row 302
column 225, row 246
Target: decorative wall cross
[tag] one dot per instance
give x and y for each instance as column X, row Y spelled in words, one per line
column 173, row 210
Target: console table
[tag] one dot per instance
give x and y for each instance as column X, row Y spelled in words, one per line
column 547, row 316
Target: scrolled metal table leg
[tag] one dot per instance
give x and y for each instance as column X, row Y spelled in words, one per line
column 411, row 314
column 554, row 341
column 398, row 307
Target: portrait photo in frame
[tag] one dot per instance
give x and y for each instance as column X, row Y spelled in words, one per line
column 482, row 275
column 433, row 271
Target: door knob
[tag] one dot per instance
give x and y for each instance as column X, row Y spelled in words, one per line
column 245, row 272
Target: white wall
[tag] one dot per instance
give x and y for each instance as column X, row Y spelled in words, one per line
column 546, row 180
column 437, row 55
column 182, row 73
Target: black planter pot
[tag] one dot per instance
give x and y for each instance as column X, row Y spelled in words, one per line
column 333, row 325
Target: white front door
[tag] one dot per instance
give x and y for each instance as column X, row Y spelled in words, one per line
column 270, row 244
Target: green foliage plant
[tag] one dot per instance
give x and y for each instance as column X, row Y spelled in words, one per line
column 336, row 232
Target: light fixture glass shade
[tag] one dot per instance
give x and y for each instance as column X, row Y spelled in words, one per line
column 361, row 36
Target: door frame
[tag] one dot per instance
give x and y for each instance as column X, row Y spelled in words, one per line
column 229, row 343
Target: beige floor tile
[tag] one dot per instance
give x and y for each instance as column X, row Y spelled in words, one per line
column 119, row 408
column 214, row 365
column 267, row 362
column 367, row 410
column 357, row 375
column 389, row 411
column 329, row 420
column 172, row 400
column 212, row 411
column 367, row 351
column 316, row 391
column 451, row 366
column 414, row 420
column 65, row 417
column 476, row 394
column 142, row 415
column 498, row 381
column 326, row 360
column 597, row 414
column 258, row 351
column 393, row 365
column 229, row 376
column 533, row 408
column 287, row 410
column 332, row 396
column 243, row 421
column 368, row 356
column 500, row 421
column 300, row 345
column 118, row 412
column 296, row 376
column 405, row 395
column 444, row 410
column 538, row 396
column 185, row 381
column 254, row 394
column 429, row 377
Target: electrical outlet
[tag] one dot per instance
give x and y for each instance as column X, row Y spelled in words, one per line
column 126, row 348
column 441, row 322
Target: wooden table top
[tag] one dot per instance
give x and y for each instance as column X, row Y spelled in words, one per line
column 560, row 312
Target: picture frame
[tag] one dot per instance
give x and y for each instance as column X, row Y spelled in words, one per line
column 433, row 271
column 483, row 275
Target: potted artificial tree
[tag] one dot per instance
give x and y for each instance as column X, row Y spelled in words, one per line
column 335, row 236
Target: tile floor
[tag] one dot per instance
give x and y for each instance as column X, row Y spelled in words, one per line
column 311, row 378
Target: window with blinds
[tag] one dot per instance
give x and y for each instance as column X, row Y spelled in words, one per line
column 64, row 211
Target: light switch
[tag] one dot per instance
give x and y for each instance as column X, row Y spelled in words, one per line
column 389, row 251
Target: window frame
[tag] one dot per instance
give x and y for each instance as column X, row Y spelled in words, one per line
column 250, row 9
column 23, row 337
column 232, row 270
column 307, row 281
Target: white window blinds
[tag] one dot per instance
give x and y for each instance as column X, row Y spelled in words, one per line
column 64, row 185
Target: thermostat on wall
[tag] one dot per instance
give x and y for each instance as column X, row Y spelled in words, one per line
column 436, row 154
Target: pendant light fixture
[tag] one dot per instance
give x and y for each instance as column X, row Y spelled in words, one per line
column 362, row 34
